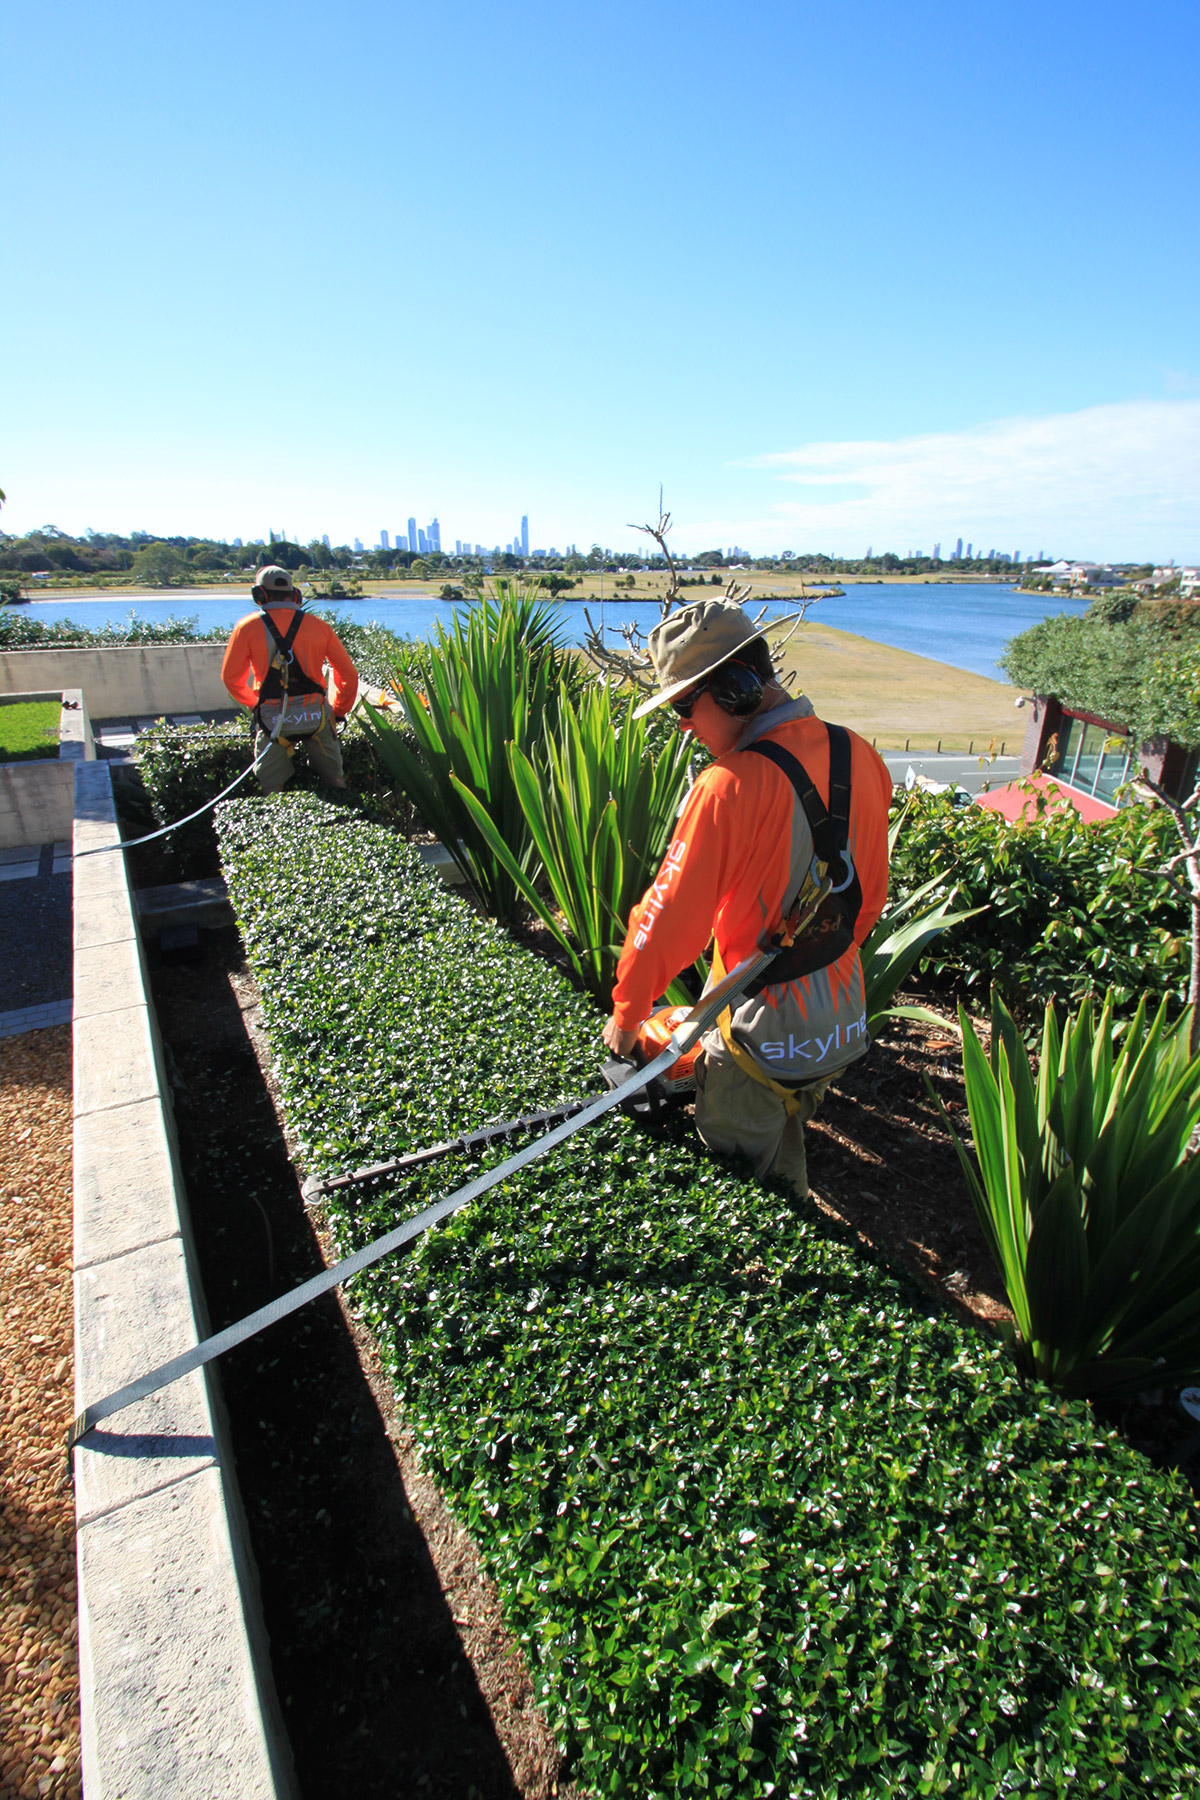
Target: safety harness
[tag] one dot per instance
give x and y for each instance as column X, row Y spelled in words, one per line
column 818, row 926
column 290, row 703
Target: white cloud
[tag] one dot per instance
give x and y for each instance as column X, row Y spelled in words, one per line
column 1112, row 482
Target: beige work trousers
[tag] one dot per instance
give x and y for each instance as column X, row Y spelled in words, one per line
column 736, row 1113
column 324, row 753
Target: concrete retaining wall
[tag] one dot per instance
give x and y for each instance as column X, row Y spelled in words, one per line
column 37, row 798
column 176, row 1688
column 139, row 681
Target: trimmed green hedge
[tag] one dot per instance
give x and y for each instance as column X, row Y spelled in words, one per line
column 765, row 1519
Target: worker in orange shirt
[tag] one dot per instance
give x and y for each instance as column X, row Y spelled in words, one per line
column 786, row 803
column 275, row 662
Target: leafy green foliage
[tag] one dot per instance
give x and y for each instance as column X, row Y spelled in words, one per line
column 1110, row 663
column 495, row 678
column 1064, row 908
column 29, row 730
column 1087, row 1199
column 20, row 631
column 183, row 766
column 898, row 939
column 765, row 1521
column 599, row 809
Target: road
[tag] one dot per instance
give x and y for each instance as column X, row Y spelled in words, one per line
column 969, row 772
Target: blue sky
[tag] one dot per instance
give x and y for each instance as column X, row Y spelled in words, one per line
column 836, row 275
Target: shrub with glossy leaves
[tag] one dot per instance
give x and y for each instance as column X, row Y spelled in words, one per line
column 766, row 1521
column 1070, row 908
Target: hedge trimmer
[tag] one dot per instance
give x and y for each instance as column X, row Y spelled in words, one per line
column 673, row 1064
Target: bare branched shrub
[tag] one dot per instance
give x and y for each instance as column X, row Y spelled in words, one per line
column 631, row 664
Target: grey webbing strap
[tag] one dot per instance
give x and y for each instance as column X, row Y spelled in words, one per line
column 698, row 1020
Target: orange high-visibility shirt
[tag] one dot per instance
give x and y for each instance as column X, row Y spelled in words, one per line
column 739, row 853
column 250, row 649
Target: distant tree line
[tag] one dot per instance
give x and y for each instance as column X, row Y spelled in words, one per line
column 183, row 561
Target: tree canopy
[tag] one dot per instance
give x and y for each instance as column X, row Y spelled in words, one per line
column 1136, row 665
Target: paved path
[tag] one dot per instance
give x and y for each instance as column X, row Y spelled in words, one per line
column 970, row 772
column 117, row 738
column 35, row 937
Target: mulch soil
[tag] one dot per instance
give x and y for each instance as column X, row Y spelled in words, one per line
column 39, row 1676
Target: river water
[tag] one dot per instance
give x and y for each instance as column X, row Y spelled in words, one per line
column 965, row 625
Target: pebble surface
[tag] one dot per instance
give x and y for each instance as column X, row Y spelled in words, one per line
column 39, row 1674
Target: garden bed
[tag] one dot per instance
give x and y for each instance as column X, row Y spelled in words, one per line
column 764, row 1516
column 392, row 1664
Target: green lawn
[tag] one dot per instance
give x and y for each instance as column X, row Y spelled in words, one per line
column 28, row 730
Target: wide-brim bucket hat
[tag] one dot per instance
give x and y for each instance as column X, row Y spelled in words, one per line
column 697, row 639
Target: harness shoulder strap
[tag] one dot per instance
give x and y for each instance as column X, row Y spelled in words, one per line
column 830, row 826
column 284, row 640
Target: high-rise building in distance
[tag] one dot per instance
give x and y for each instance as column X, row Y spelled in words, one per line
column 325, row 541
column 958, row 551
column 412, row 536
column 434, row 534
column 524, row 534
column 383, row 541
column 358, row 546
column 422, row 542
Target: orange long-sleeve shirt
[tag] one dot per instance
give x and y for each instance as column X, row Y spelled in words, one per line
column 250, row 649
column 741, row 843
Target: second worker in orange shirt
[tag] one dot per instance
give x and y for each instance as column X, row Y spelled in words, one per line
column 275, row 660
column 786, row 800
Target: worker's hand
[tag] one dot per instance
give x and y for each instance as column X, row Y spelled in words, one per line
column 616, row 1040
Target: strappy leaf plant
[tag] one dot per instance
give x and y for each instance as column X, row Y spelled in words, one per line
column 496, row 678
column 1086, row 1194
column 599, row 806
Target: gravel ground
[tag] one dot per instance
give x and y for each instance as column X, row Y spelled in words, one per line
column 39, row 1679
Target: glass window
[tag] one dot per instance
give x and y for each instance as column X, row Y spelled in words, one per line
column 1070, row 735
column 1113, row 770
column 1087, row 763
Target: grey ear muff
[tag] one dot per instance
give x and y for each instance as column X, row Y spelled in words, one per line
column 737, row 689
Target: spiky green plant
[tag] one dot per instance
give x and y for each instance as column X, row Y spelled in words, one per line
column 1086, row 1194
column 599, row 807
column 496, row 678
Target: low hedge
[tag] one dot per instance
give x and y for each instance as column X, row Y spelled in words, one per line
column 766, row 1520
column 182, row 766
column 1069, row 908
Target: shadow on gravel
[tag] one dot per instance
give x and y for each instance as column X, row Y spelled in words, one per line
column 376, row 1688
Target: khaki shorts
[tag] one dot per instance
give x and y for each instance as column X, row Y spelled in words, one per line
column 323, row 751
column 736, row 1113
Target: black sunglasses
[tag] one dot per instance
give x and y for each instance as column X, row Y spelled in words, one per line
column 683, row 704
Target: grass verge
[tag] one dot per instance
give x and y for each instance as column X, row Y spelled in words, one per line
column 29, row 730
